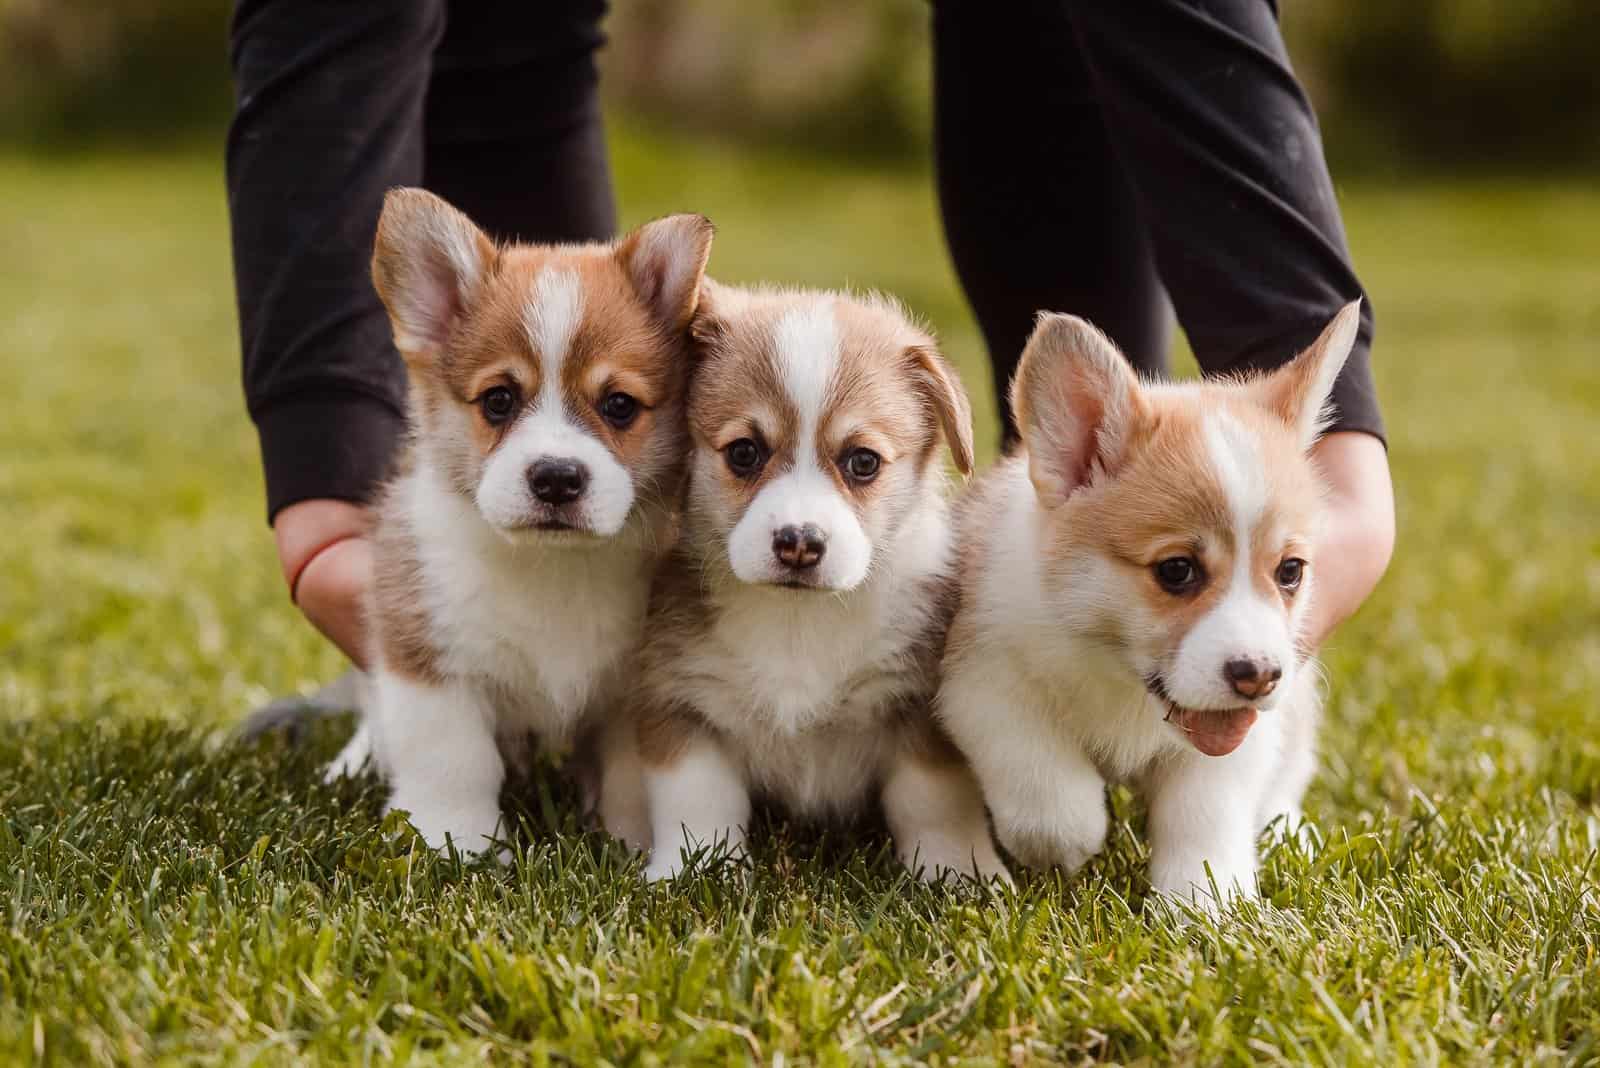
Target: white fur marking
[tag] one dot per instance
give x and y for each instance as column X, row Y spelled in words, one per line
column 551, row 317
column 808, row 352
column 1237, row 462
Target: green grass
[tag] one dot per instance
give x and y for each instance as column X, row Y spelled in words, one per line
column 167, row 897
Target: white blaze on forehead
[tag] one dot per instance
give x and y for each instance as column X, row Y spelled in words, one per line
column 551, row 317
column 1236, row 458
column 807, row 340
column 1245, row 623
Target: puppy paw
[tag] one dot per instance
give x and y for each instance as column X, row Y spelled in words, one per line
column 1062, row 832
column 662, row 869
column 352, row 760
column 936, row 859
column 469, row 828
column 1050, row 848
column 1209, row 896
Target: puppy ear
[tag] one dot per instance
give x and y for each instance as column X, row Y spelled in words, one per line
column 1298, row 391
column 1076, row 402
column 942, row 387
column 709, row 326
column 427, row 265
column 666, row 261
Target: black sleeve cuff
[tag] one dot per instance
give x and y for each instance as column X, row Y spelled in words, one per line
column 339, row 445
column 1355, row 399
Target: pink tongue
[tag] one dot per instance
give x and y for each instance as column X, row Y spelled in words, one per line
column 1216, row 732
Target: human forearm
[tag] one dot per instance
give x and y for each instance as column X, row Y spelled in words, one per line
column 1358, row 539
column 327, row 562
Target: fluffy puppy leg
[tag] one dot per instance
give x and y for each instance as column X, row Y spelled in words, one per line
column 1203, row 813
column 353, row 758
column 935, row 812
column 1050, row 811
column 1297, row 763
column 623, row 806
column 1047, row 798
column 698, row 800
column 1280, row 810
column 436, row 740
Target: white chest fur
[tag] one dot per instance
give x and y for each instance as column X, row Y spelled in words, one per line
column 804, row 684
column 546, row 628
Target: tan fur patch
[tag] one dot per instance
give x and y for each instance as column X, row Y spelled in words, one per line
column 401, row 628
column 679, row 620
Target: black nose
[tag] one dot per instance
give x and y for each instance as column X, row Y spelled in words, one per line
column 799, row 547
column 558, row 481
column 1252, row 678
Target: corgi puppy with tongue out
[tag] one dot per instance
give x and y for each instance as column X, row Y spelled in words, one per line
column 1134, row 582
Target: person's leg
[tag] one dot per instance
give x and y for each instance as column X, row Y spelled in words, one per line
column 1223, row 151
column 329, row 115
column 514, row 136
column 1037, row 210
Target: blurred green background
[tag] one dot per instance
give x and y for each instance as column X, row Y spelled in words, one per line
column 1479, row 85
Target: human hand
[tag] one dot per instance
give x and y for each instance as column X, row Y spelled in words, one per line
column 326, row 554
column 1358, row 539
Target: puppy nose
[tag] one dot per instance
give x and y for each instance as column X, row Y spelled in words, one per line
column 558, row 481
column 1252, row 678
column 799, row 547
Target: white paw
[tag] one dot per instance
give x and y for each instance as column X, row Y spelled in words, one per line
column 1042, row 849
column 1065, row 835
column 470, row 828
column 937, row 859
column 670, row 862
column 1202, row 896
column 631, row 828
column 624, row 814
column 661, row 869
column 352, row 760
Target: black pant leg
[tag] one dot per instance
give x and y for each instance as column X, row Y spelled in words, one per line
column 1223, row 150
column 329, row 114
column 514, row 133
column 1037, row 211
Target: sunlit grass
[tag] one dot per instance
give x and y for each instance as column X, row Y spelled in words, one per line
column 165, row 896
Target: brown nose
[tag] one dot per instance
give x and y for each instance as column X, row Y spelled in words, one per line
column 799, row 547
column 1252, row 678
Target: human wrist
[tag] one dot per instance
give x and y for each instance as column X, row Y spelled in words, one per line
column 306, row 530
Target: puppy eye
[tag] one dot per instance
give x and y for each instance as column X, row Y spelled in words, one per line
column 1290, row 573
column 744, row 457
column 1178, row 574
column 619, row 409
column 497, row 404
column 862, row 464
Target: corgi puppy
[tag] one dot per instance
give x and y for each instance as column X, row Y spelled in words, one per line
column 515, row 550
column 1133, row 586
column 793, row 641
